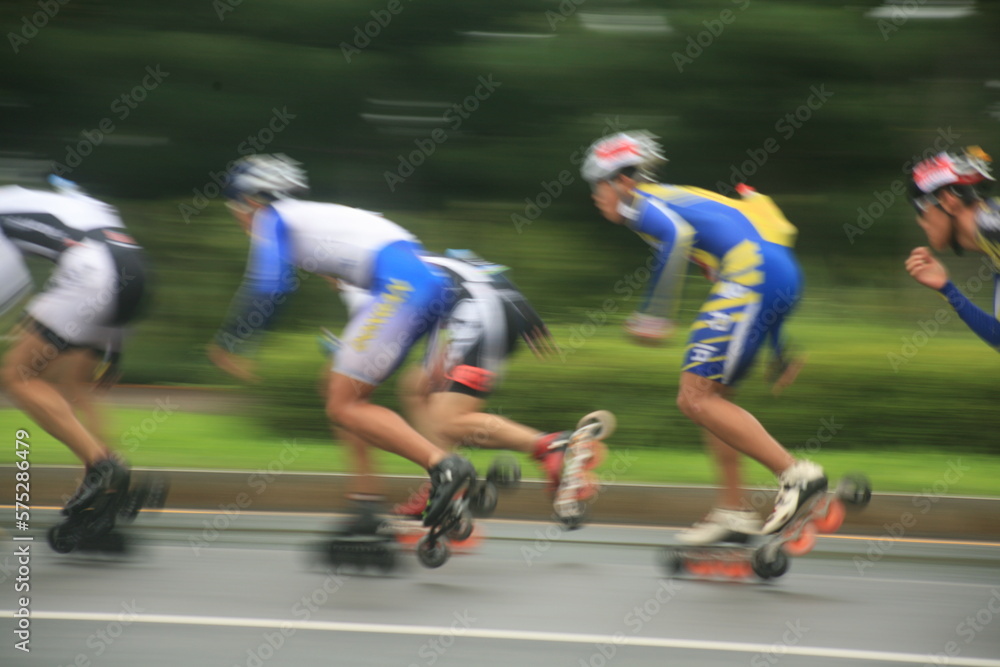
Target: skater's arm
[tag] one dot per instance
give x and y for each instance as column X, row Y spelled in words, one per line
column 674, row 237
column 983, row 324
column 269, row 278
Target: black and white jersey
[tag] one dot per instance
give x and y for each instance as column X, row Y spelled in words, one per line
column 46, row 224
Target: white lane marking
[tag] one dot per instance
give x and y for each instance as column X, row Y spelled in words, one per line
column 889, row 580
column 511, row 635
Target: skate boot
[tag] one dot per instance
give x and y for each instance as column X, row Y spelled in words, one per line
column 363, row 539
column 568, row 460
column 105, row 477
column 800, row 484
column 414, row 506
column 550, row 450
column 449, row 478
column 92, row 510
column 721, row 525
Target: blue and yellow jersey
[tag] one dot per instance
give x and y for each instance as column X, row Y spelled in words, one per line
column 988, row 230
column 982, row 323
column 730, row 238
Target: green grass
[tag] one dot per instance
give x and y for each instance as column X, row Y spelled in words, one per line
column 185, row 440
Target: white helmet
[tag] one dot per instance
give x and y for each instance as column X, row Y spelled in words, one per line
column 269, row 176
column 609, row 156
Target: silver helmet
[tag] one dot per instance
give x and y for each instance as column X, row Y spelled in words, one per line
column 609, row 156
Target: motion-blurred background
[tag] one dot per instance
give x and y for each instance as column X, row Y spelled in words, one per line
column 466, row 122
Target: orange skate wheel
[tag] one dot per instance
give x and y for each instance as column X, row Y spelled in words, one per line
column 834, row 518
column 698, row 568
column 804, row 543
column 598, row 452
column 591, row 486
column 733, row 569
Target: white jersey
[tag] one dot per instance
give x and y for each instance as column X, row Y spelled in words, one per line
column 48, row 223
column 330, row 239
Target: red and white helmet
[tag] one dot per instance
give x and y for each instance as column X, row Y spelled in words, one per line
column 970, row 167
column 947, row 170
column 609, row 156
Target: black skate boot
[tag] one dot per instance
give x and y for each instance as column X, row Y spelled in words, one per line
column 92, row 510
column 363, row 538
column 449, row 477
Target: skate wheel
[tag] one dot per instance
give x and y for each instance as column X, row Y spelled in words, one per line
column 769, row 569
column 574, row 518
column 61, row 539
column 605, row 421
column 333, row 555
column 483, row 501
column 759, row 565
column 672, row 562
column 834, row 518
column 113, row 542
column 855, row 489
column 734, row 569
column 804, row 543
column 699, row 568
column 598, row 452
column 505, row 472
column 463, row 529
column 386, row 562
column 779, row 566
column 134, row 501
column 432, row 555
column 159, row 487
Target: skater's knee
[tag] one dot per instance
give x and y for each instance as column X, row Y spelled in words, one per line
column 451, row 429
column 14, row 376
column 343, row 414
column 691, row 404
column 698, row 396
column 337, row 413
column 696, row 405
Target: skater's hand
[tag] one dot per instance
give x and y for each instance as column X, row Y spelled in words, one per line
column 649, row 329
column 788, row 374
column 235, row 365
column 926, row 269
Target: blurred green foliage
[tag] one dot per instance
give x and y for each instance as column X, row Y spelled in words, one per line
column 353, row 113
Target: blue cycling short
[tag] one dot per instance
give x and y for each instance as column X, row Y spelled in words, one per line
column 738, row 318
column 408, row 297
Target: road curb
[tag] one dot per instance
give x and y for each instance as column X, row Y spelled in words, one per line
column 888, row 515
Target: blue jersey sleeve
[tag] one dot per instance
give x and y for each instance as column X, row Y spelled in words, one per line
column 672, row 237
column 269, row 278
column 982, row 323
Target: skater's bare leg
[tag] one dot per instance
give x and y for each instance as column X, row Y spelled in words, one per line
column 703, row 402
column 414, row 389
column 460, row 421
column 347, row 406
column 42, row 401
column 728, row 464
column 77, row 384
column 365, row 482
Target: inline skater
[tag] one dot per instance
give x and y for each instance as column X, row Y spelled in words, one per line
column 946, row 192
column 746, row 247
column 466, row 353
column 365, row 249
column 72, row 331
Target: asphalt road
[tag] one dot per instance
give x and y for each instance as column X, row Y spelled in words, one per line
column 201, row 588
